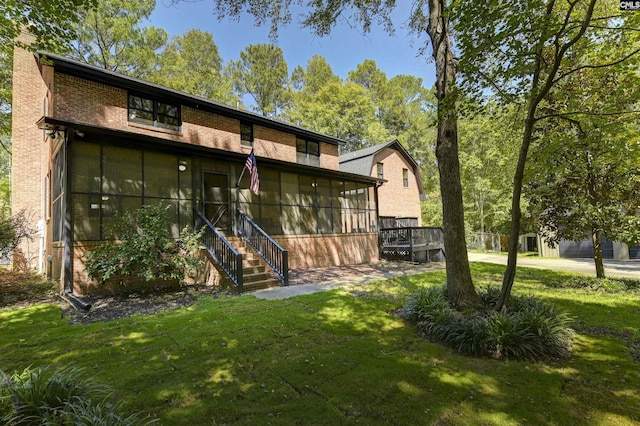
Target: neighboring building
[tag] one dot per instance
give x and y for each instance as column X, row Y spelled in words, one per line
column 584, row 249
column 89, row 143
column 400, row 195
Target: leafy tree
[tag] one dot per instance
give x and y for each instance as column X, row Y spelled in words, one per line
column 369, row 76
column 341, row 110
column 317, row 74
column 520, row 51
column 432, row 17
column 110, row 37
column 50, row 22
column 488, row 153
column 263, row 74
column 586, row 166
column 191, row 63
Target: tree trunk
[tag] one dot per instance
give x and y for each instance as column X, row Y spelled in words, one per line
column 460, row 287
column 597, row 253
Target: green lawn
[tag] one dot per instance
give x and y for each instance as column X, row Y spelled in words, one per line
column 340, row 357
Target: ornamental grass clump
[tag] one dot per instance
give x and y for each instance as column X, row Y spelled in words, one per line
column 529, row 330
column 62, row 397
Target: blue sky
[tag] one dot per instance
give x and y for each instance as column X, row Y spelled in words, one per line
column 344, row 48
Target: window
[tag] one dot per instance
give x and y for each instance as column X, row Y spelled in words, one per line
column 308, row 152
column 154, row 113
column 246, row 134
column 405, row 178
column 380, row 167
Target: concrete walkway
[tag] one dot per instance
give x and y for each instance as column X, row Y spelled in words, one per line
column 313, row 280
column 612, row 268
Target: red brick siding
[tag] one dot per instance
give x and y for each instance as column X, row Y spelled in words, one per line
column 29, row 148
column 393, row 198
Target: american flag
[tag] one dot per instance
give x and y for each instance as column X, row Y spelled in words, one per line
column 252, row 166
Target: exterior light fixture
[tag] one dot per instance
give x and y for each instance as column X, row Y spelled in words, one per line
column 182, row 166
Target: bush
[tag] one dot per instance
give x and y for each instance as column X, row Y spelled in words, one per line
column 141, row 246
column 602, row 285
column 528, row 330
column 63, row 397
column 14, row 229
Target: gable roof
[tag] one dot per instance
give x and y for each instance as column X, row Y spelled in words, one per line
column 361, row 161
column 91, row 72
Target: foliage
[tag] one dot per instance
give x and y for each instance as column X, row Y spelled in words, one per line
column 50, row 22
column 13, row 230
column 341, row 110
column 488, row 153
column 529, row 329
column 39, row 396
column 262, row 73
column 522, row 51
column 601, row 285
column 141, row 246
column 191, row 63
column 584, row 175
column 110, row 36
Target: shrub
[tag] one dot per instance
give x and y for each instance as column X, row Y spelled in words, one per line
column 602, row 285
column 13, row 230
column 140, row 245
column 529, row 330
column 62, row 397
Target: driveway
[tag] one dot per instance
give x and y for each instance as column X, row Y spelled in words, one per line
column 612, row 268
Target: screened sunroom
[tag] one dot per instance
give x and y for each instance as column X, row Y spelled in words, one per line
column 106, row 178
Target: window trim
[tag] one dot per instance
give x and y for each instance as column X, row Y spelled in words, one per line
column 380, row 170
column 243, row 141
column 155, row 123
column 405, row 178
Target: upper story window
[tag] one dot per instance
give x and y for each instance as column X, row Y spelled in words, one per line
column 246, row 134
column 154, row 113
column 380, row 169
column 405, row 178
column 308, row 152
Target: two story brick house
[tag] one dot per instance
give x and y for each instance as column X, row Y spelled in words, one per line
column 400, row 196
column 89, row 143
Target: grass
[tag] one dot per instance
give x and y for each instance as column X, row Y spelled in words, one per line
column 332, row 358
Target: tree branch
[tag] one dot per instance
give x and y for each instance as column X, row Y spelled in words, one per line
column 609, row 64
column 592, row 114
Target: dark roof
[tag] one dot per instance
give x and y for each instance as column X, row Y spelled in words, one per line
column 100, row 75
column 361, row 161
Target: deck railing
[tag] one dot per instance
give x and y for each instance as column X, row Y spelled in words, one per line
column 270, row 251
column 220, row 249
column 412, row 243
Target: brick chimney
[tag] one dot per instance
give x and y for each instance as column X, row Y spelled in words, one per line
column 30, row 162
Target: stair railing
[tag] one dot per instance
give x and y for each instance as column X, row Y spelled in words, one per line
column 220, row 249
column 271, row 252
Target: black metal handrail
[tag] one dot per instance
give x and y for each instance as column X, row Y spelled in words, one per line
column 270, row 251
column 220, row 249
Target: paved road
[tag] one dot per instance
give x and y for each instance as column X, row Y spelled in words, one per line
column 612, row 268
